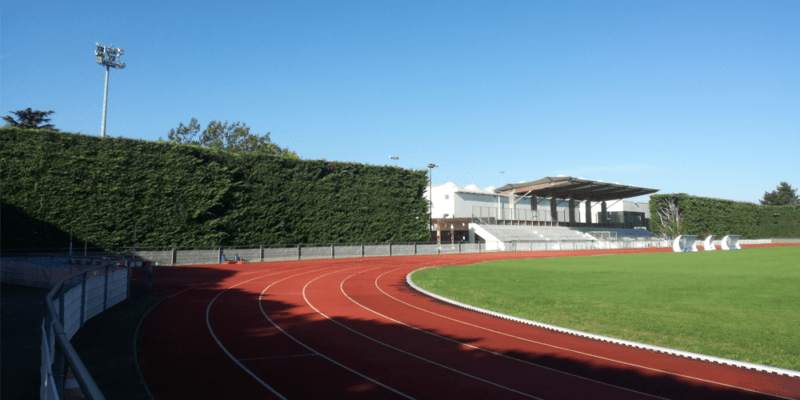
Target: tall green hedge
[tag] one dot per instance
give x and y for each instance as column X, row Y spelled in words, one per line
column 705, row 216
column 54, row 182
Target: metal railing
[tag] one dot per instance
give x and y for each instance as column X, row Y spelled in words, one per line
column 603, row 235
column 73, row 301
column 45, row 271
column 495, row 215
column 317, row 251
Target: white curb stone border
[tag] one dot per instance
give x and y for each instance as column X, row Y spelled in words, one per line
column 687, row 354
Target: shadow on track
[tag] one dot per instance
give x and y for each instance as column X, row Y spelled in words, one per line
column 181, row 359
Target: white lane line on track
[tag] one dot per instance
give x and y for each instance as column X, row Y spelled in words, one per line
column 210, row 282
column 224, row 349
column 316, row 352
column 589, row 354
column 341, row 287
column 401, row 350
column 277, row 357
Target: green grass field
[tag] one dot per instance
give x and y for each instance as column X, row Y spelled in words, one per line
column 743, row 305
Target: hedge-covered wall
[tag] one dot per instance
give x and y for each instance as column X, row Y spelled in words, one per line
column 705, row 216
column 186, row 195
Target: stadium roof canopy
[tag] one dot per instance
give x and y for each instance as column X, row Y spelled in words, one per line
column 564, row 187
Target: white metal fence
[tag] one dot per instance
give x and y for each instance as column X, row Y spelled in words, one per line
column 45, row 271
column 74, row 300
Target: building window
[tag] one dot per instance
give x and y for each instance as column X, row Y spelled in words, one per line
column 447, row 196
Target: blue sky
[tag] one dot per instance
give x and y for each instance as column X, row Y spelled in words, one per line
column 683, row 96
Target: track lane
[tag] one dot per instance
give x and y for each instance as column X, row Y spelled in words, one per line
column 383, row 365
column 298, row 372
column 283, row 360
column 400, row 347
column 587, row 351
column 509, row 366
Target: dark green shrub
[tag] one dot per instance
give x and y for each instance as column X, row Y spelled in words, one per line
column 187, row 195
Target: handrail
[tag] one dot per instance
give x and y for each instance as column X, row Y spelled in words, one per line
column 57, row 351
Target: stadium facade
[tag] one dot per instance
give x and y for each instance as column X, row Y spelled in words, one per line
column 575, row 203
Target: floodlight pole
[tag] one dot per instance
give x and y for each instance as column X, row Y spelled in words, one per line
column 105, row 105
column 430, row 194
column 107, row 57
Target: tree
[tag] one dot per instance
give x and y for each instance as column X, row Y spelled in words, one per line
column 670, row 216
column 783, row 195
column 234, row 137
column 30, row 119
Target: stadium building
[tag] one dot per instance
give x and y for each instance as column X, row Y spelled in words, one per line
column 551, row 208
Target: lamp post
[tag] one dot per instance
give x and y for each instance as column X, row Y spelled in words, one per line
column 395, row 158
column 430, row 193
column 109, row 58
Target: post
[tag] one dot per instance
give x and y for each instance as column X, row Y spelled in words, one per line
column 298, row 251
column 105, row 104
column 430, row 196
column 86, row 238
column 362, row 249
column 128, row 283
column 105, row 287
column 603, row 213
column 588, row 212
column 134, row 242
column 172, row 257
column 261, row 253
column 83, row 298
column 332, row 251
column 572, row 211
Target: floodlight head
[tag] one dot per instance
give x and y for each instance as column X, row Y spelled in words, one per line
column 432, row 165
column 122, row 65
column 120, row 51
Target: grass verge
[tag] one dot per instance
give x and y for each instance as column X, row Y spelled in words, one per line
column 743, row 305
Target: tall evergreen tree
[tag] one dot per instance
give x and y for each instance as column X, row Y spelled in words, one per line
column 30, row 119
column 783, row 195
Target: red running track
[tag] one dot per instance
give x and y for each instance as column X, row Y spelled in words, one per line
column 353, row 328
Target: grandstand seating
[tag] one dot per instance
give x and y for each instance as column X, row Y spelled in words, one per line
column 517, row 233
column 621, row 232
